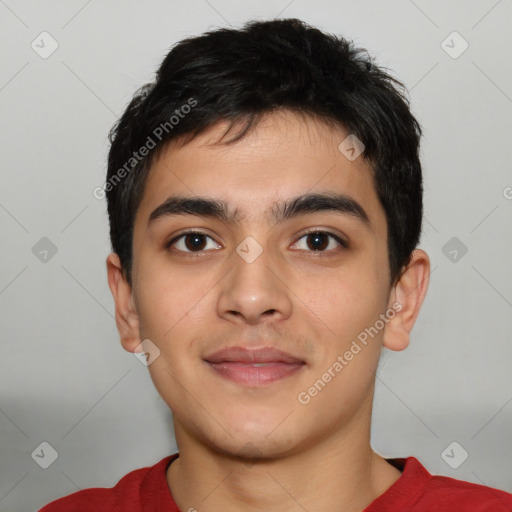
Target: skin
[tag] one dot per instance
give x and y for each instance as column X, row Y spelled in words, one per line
column 259, row 448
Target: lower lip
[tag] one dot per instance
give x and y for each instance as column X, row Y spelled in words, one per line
column 245, row 373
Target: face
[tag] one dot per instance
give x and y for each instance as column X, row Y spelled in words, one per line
column 304, row 278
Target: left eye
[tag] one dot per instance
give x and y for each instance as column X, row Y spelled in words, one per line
column 321, row 241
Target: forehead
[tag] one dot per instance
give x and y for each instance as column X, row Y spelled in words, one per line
column 284, row 156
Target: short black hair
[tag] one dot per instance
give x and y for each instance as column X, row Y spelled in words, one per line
column 239, row 75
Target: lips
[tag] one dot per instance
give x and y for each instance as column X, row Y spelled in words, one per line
column 248, row 356
column 254, row 367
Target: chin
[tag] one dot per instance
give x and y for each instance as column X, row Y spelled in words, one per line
column 253, row 444
column 250, row 452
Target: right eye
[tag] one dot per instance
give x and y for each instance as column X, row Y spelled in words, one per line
column 191, row 242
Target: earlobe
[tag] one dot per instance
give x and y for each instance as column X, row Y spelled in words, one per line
column 407, row 297
column 127, row 319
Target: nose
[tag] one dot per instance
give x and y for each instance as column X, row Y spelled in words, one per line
column 254, row 292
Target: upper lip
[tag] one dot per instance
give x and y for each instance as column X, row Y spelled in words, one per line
column 252, row 355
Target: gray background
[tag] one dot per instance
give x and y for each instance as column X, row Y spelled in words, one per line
column 64, row 378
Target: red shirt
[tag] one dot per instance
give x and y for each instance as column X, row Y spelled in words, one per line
column 146, row 490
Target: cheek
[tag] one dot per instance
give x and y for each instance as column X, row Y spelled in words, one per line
column 171, row 310
column 344, row 303
column 166, row 299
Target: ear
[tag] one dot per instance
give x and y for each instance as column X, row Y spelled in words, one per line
column 407, row 296
column 127, row 319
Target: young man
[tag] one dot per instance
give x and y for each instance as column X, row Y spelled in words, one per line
column 265, row 204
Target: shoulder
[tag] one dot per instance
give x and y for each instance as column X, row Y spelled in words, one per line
column 453, row 494
column 124, row 496
column 444, row 493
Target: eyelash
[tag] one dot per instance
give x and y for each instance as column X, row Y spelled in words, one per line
column 340, row 241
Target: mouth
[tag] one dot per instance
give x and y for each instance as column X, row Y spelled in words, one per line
column 254, row 367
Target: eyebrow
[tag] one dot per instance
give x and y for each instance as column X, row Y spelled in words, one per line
column 300, row 205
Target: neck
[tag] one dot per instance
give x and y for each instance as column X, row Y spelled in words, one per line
column 341, row 472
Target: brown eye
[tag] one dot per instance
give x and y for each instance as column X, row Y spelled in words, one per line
column 317, row 241
column 321, row 241
column 194, row 241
